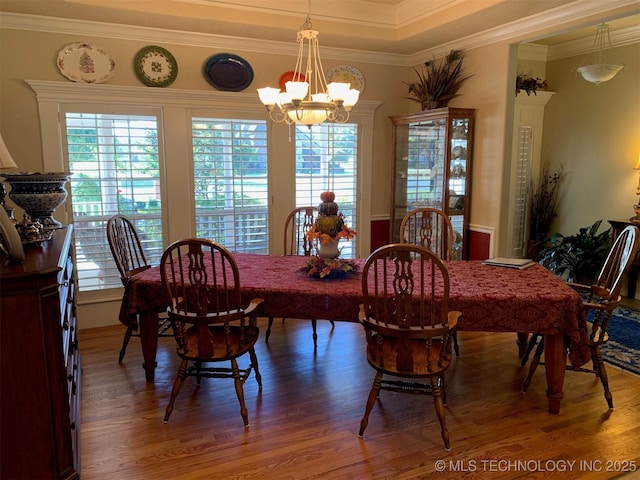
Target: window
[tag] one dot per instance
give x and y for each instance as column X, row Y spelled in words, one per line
column 327, row 159
column 230, row 183
column 115, row 164
column 168, row 117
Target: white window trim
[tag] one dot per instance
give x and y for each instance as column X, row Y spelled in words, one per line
column 175, row 104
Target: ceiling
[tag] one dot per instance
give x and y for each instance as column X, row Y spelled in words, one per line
column 402, row 27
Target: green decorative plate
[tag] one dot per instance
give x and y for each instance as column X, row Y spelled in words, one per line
column 155, row 66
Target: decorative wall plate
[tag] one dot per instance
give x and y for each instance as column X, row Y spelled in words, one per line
column 288, row 77
column 228, row 72
column 10, row 243
column 347, row 74
column 84, row 62
column 155, row 66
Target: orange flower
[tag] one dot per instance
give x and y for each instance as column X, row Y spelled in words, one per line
column 325, row 234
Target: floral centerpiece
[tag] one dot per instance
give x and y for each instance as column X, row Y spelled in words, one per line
column 530, row 84
column 319, row 267
column 326, row 233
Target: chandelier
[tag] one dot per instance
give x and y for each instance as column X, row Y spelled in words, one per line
column 308, row 100
column 598, row 70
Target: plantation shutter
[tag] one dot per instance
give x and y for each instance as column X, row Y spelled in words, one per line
column 327, row 160
column 115, row 164
column 230, row 182
column 522, row 181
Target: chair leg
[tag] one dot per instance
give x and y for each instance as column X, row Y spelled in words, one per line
column 177, row 384
column 373, row 394
column 534, row 364
column 198, row 366
column 125, row 342
column 439, row 406
column 602, row 373
column 444, row 391
column 266, row 336
column 532, row 343
column 456, row 348
column 314, row 324
column 254, row 363
column 239, row 391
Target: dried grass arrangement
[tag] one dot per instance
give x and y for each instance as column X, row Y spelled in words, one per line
column 439, row 81
column 544, row 204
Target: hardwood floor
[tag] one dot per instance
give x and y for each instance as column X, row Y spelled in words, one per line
column 304, row 423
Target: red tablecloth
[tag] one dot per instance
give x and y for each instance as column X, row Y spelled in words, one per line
column 491, row 299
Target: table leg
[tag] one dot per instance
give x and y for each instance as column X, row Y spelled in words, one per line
column 149, row 341
column 555, row 359
column 632, row 280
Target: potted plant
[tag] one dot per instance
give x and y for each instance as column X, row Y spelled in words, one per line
column 530, row 84
column 438, row 82
column 579, row 257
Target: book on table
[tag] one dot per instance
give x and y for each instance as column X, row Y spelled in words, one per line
column 519, row 263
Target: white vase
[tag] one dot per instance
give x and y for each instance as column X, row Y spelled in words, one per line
column 329, row 249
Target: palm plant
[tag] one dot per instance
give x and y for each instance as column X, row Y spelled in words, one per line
column 440, row 82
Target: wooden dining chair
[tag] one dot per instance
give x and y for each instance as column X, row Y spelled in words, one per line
column 128, row 254
column 296, row 242
column 599, row 302
column 408, row 325
column 432, row 229
column 298, row 222
column 211, row 325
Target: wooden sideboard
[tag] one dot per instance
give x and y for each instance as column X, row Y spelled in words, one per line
column 632, row 276
column 40, row 365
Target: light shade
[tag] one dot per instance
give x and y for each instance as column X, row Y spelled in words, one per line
column 594, row 68
column 599, row 73
column 6, row 160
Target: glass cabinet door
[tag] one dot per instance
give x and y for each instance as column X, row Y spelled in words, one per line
column 431, row 168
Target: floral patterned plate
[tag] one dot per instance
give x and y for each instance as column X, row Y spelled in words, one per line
column 155, row 66
column 347, row 74
column 85, row 62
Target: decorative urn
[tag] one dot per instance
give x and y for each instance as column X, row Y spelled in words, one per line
column 39, row 194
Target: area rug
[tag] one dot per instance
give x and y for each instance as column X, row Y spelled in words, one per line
column 623, row 347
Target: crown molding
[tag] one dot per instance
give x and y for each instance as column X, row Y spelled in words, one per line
column 514, row 32
column 102, row 93
column 582, row 46
column 40, row 23
column 533, row 52
column 523, row 30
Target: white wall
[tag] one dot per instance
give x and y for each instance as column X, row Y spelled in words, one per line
column 594, row 132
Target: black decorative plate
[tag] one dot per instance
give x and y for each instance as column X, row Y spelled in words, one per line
column 228, row 72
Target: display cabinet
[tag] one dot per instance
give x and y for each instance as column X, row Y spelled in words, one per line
column 433, row 153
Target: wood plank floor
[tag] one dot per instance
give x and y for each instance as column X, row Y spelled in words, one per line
column 304, row 423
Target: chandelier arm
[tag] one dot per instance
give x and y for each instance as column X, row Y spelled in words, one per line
column 277, row 115
column 298, row 69
column 314, row 106
column 322, row 83
column 311, row 76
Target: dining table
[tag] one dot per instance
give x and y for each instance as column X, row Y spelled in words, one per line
column 491, row 299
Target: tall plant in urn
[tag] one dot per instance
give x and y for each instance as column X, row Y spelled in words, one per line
column 438, row 82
